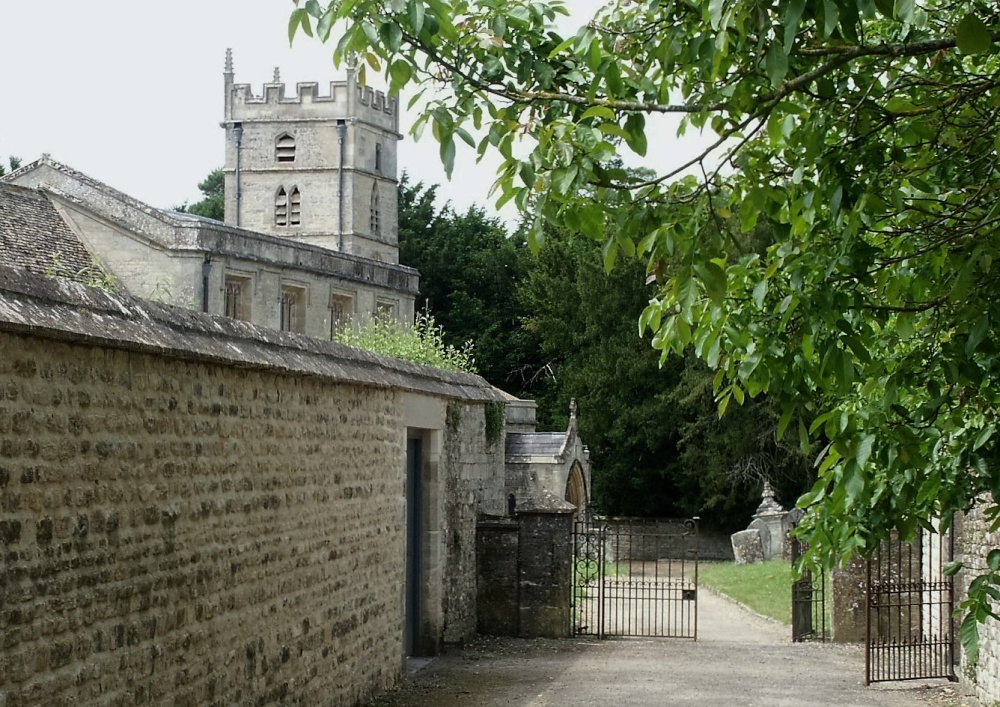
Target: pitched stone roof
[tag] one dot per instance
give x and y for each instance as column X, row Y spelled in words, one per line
column 33, row 236
column 535, row 444
column 181, row 231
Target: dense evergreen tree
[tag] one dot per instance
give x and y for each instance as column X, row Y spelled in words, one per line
column 213, row 205
column 12, row 162
column 469, row 270
column 657, row 443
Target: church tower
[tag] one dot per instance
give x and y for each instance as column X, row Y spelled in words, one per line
column 317, row 168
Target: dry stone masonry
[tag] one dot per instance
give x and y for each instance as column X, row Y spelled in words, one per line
column 197, row 511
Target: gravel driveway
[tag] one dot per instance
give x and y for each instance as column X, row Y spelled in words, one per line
column 739, row 659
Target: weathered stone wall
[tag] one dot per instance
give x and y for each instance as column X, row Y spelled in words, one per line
column 652, row 539
column 190, row 533
column 973, row 543
column 545, row 571
column 473, row 484
column 525, row 574
column 848, row 602
column 195, row 511
column 497, row 595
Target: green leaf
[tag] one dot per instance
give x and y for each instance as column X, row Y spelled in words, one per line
column 448, row 154
column 902, row 10
column 635, row 133
column 854, row 481
column 993, row 560
column 784, row 420
column 864, row 450
column 715, row 8
column 565, row 178
column 299, row 18
column 952, row 568
column 969, row 634
column 400, row 73
column 900, row 104
column 885, row 7
column 466, row 137
column 776, row 63
column 972, row 35
column 391, row 35
column 610, row 253
column 793, row 15
column 602, row 112
column 416, row 15
column 831, row 15
column 714, row 279
column 983, row 437
column 759, row 293
column 324, row 25
column 977, row 334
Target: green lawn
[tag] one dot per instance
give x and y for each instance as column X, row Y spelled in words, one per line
column 765, row 587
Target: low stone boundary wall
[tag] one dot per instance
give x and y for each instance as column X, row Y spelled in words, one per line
column 196, row 511
column 713, row 545
column 525, row 571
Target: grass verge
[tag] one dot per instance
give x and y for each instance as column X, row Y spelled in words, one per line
column 765, row 587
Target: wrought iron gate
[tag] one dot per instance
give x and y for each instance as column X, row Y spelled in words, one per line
column 910, row 603
column 635, row 577
column 808, row 597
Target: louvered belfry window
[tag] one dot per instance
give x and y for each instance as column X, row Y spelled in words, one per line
column 281, row 207
column 374, row 217
column 294, row 207
column 284, row 149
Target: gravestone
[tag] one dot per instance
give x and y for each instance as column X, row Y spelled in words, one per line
column 747, row 548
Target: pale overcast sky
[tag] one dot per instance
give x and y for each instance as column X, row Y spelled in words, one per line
column 131, row 92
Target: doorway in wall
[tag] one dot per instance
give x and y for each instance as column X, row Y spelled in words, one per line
column 414, row 524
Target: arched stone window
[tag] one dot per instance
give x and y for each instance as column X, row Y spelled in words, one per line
column 374, row 219
column 287, row 207
column 281, row 207
column 294, row 207
column 284, row 148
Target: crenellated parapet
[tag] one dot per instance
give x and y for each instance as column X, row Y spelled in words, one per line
column 377, row 100
column 315, row 162
column 308, row 93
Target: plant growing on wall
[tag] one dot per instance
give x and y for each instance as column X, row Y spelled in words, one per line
column 93, row 275
column 421, row 343
column 495, row 413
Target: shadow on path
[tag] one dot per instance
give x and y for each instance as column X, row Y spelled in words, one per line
column 739, row 659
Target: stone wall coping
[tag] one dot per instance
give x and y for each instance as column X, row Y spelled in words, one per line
column 497, row 523
column 542, row 503
column 58, row 308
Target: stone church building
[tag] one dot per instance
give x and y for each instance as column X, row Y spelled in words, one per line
column 310, row 234
column 213, row 503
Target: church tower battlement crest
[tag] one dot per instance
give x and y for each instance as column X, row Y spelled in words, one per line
column 318, row 168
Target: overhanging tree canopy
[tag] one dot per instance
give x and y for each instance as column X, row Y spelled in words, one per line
column 865, row 132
